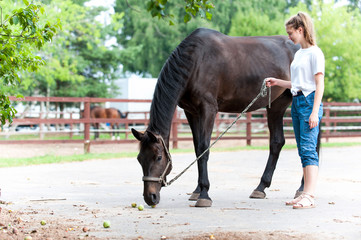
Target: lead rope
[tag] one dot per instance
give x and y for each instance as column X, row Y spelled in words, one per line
column 262, row 93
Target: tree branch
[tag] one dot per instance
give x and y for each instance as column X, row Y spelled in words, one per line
column 159, row 32
column 131, row 6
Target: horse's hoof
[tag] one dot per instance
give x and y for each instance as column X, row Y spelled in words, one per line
column 203, row 202
column 258, row 194
column 194, row 197
column 298, row 193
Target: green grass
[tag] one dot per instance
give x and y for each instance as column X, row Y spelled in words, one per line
column 59, row 136
column 48, row 159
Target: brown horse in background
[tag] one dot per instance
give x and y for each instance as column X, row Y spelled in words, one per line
column 111, row 113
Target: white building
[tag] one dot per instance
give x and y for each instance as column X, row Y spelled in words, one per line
column 134, row 87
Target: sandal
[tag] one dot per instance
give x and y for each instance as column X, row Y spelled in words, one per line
column 294, row 201
column 307, row 201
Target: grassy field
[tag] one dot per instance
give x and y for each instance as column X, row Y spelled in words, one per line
column 48, row 159
column 58, row 136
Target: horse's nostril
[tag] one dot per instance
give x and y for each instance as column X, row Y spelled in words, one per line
column 154, row 198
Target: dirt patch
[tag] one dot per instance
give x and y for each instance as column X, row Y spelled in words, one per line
column 22, row 224
column 27, row 223
column 259, row 235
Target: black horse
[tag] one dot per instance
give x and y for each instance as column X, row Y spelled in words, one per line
column 210, row 72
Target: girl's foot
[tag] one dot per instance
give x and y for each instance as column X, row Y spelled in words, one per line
column 299, row 198
column 308, row 201
column 294, row 201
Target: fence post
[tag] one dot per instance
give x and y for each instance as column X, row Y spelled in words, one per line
column 86, row 125
column 71, row 126
column 217, row 124
column 327, row 118
column 41, row 125
column 249, row 128
column 175, row 124
column 126, row 130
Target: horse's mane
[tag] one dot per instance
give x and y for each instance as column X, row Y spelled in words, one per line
column 171, row 83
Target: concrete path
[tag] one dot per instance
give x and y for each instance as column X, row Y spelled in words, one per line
column 98, row 190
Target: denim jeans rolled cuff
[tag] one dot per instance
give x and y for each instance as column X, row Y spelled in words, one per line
column 306, row 137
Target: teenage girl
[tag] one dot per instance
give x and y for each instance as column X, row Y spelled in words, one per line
column 307, row 86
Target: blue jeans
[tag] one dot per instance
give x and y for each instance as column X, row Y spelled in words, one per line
column 306, row 138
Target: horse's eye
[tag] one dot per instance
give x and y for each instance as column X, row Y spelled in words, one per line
column 159, row 158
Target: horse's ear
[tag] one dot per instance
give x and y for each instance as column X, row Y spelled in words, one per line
column 137, row 135
column 152, row 136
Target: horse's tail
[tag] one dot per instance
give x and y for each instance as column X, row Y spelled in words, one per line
column 122, row 115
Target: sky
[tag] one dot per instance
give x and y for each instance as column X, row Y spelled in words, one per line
column 104, row 17
column 100, row 2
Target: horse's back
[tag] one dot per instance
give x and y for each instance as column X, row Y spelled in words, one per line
column 112, row 113
column 97, row 112
column 230, row 70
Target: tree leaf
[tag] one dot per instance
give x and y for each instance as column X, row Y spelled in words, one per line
column 187, row 17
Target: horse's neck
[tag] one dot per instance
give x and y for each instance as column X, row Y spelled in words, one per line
column 170, row 85
column 160, row 121
column 163, row 130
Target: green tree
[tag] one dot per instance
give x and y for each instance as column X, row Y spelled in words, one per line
column 192, row 8
column 21, row 33
column 152, row 40
column 148, row 41
column 79, row 62
column 259, row 18
column 353, row 4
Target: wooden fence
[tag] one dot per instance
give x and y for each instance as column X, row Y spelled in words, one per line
column 340, row 120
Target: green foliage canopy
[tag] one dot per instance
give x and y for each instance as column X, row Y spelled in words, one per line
column 150, row 41
column 147, row 41
column 337, row 32
column 79, row 63
column 21, row 33
column 192, row 8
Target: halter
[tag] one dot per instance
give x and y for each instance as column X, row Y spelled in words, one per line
column 160, row 179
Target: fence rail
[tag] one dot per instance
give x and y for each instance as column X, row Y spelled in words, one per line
column 340, row 120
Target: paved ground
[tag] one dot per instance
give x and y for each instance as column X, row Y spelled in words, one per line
column 90, row 192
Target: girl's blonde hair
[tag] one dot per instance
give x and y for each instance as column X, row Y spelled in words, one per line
column 303, row 20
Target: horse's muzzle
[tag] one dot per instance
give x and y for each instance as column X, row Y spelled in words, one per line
column 152, row 198
column 151, row 193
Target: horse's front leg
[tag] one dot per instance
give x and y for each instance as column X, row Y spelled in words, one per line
column 202, row 126
column 277, row 140
column 112, row 132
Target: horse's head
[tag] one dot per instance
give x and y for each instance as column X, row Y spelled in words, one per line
column 156, row 163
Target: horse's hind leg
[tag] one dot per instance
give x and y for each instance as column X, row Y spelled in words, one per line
column 277, row 140
column 112, row 133
column 117, row 132
column 202, row 126
column 96, row 128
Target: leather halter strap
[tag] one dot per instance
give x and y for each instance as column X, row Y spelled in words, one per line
column 161, row 178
